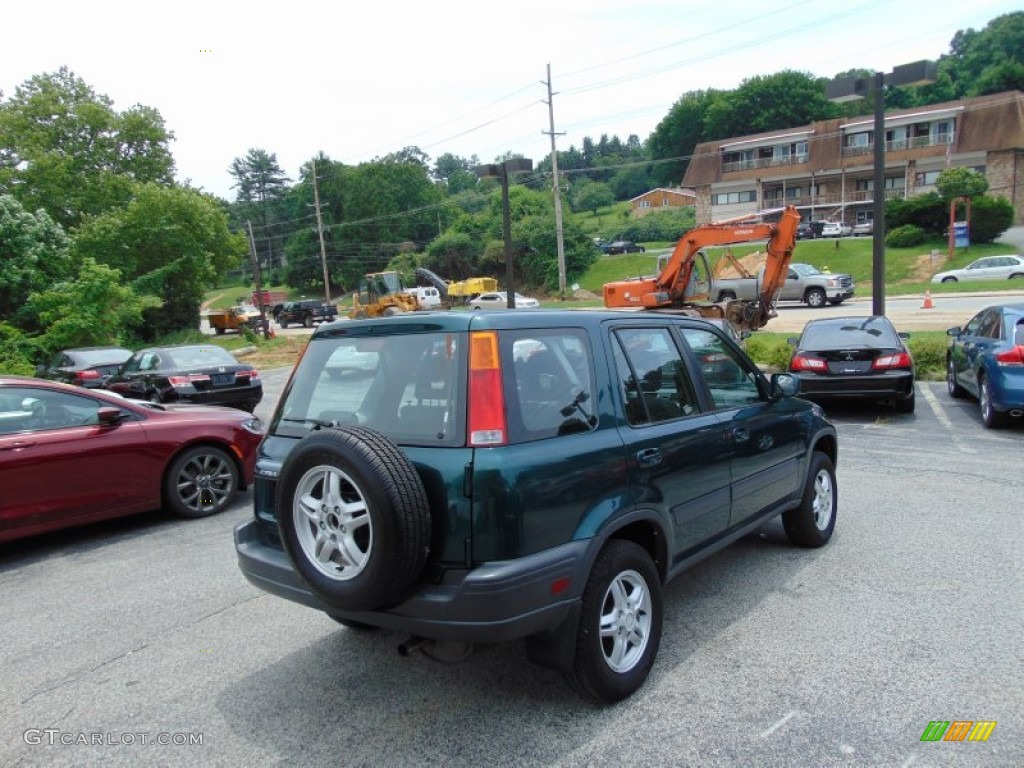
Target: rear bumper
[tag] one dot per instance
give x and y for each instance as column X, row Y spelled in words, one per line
column 494, row 602
column 232, row 397
column 891, row 384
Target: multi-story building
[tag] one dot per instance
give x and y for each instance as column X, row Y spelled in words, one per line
column 660, row 199
column 826, row 169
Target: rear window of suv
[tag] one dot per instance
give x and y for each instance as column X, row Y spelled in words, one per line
column 412, row 387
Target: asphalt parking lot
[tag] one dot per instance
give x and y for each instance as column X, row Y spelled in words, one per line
column 134, row 630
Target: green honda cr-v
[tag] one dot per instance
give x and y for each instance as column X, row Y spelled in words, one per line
column 483, row 477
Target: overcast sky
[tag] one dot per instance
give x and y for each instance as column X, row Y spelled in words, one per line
column 359, row 80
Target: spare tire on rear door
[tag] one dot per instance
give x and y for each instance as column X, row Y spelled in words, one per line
column 354, row 517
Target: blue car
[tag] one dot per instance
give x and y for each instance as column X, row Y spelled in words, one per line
column 986, row 359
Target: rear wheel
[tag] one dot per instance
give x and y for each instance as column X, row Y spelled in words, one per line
column 620, row 624
column 219, row 331
column 815, row 297
column 307, row 321
column 949, row 279
column 906, row 404
column 727, row 296
column 990, row 417
column 811, row 524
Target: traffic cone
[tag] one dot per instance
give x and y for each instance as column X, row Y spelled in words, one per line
column 927, row 301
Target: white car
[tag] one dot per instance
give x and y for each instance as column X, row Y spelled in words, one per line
column 989, row 268
column 836, row 229
column 499, row 300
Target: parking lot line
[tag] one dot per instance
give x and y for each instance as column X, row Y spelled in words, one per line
column 943, row 419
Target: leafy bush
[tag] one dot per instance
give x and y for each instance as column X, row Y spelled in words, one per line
column 906, row 236
column 929, row 356
column 664, row 225
column 990, row 217
column 770, row 352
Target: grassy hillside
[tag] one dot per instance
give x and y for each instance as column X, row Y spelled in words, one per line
column 908, row 270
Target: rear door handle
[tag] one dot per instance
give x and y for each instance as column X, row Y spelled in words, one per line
column 649, row 457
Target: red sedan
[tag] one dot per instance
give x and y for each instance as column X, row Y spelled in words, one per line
column 70, row 456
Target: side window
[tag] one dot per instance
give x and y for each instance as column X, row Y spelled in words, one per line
column 729, row 378
column 549, row 383
column 653, row 381
column 991, row 326
column 39, row 409
column 971, row 329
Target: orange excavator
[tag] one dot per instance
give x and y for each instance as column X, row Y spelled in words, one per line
column 685, row 283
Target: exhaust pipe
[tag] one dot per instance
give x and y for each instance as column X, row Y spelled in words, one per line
column 410, row 646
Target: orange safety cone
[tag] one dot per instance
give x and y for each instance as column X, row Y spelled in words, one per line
column 927, row 301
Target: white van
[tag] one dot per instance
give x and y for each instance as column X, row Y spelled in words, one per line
column 427, row 297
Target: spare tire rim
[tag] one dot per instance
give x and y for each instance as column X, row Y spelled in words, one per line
column 332, row 523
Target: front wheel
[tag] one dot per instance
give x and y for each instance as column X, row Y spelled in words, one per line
column 955, row 390
column 307, row 321
column 815, row 298
column 219, row 331
column 200, row 482
column 811, row 524
column 620, row 624
column 949, row 279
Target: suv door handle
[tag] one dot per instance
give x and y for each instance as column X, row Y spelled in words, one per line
column 648, row 457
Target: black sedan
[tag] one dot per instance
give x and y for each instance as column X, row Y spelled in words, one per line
column 202, row 374
column 623, row 246
column 85, row 366
column 854, row 358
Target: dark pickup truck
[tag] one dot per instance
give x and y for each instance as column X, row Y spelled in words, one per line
column 305, row 313
column 481, row 477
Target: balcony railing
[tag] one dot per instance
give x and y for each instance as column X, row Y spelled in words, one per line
column 900, row 144
column 767, row 162
column 856, row 196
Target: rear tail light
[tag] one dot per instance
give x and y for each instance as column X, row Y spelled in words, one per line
column 1011, row 356
column 184, row 381
column 898, row 360
column 805, row 363
column 247, row 374
column 88, row 375
column 487, row 425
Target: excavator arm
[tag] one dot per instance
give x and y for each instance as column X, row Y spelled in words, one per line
column 673, row 288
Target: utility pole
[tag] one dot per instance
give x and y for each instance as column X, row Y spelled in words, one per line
column 320, row 231
column 559, row 240
column 258, row 278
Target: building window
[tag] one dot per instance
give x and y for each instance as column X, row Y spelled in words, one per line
column 926, row 178
column 732, row 198
column 891, row 182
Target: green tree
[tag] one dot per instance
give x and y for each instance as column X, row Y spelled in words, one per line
column 260, row 184
column 65, row 149
column 590, row 196
column 767, row 103
column 980, row 60
column 961, row 182
column 33, row 255
column 91, row 309
column 675, row 138
column 17, row 351
column 169, row 242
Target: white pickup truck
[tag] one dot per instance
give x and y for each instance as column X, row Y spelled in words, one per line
column 803, row 283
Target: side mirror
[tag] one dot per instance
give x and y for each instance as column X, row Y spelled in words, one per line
column 793, row 341
column 903, row 335
column 108, row 415
column 784, row 385
column 955, row 331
